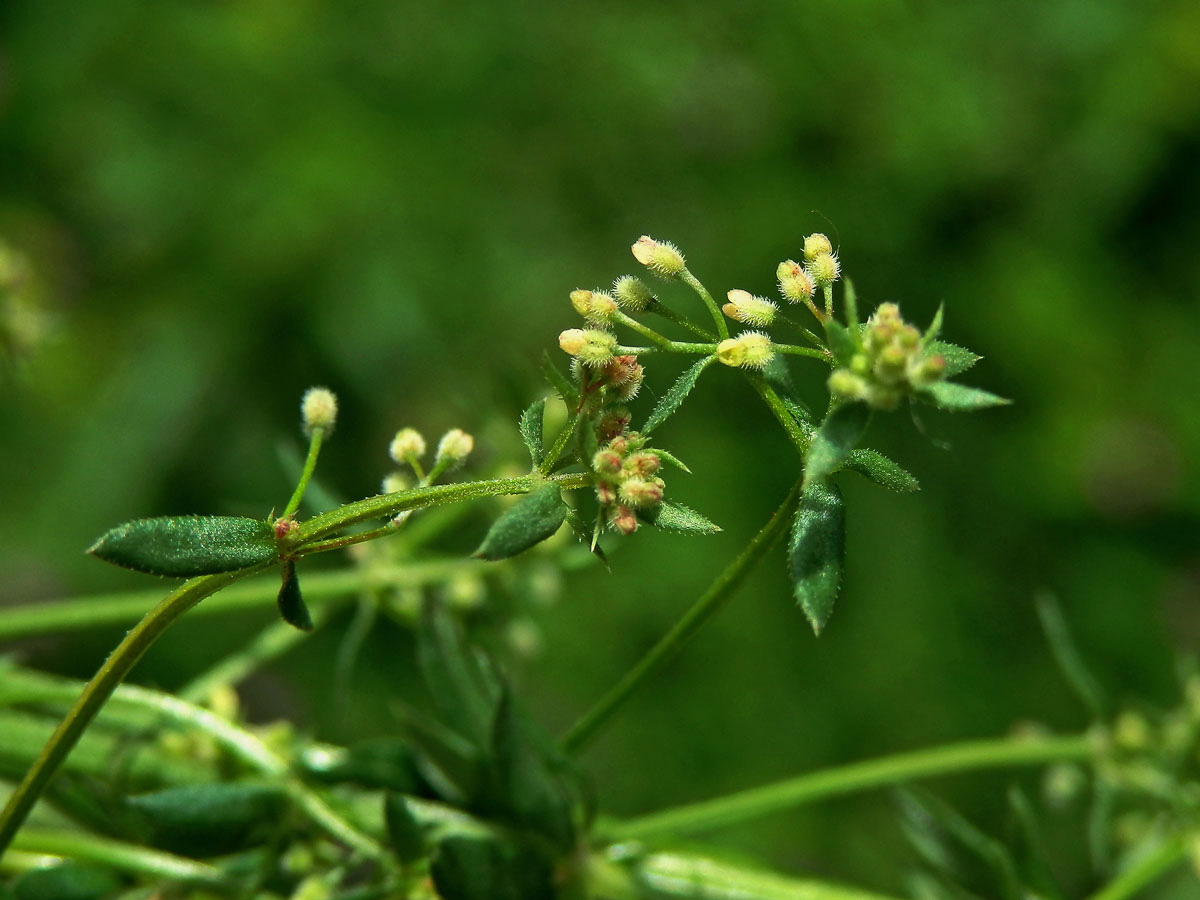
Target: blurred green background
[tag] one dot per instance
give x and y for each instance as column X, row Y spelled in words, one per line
column 223, row 203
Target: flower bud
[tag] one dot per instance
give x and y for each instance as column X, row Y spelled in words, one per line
column 640, row 492
column 623, row 520
column 621, row 369
column 407, row 443
column 454, row 447
column 607, row 462
column 927, row 370
column 395, row 483
column 824, row 269
column 749, row 350
column 845, row 385
column 659, row 257
column 606, row 493
column 581, row 301
column 595, row 306
column 572, row 340
column 750, row 310
column 318, row 409
column 628, row 389
column 794, row 283
column 632, row 293
column 644, row 464
column 619, row 445
column 816, row 244
column 612, row 424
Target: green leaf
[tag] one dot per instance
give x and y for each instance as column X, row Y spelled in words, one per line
column 935, row 327
column 841, row 430
column 1033, row 855
column 557, row 379
column 464, row 690
column 779, row 376
column 530, row 521
column 958, row 359
column 841, row 342
column 954, row 397
column 679, row 518
column 816, row 551
column 405, row 833
column 66, row 881
column 481, row 867
column 531, row 430
column 1069, row 659
column 881, row 470
column 291, row 604
column 386, row 763
column 850, row 298
column 184, row 546
column 676, row 394
column 211, row 819
column 586, row 533
column 671, row 458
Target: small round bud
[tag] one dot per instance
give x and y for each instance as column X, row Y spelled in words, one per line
column 572, row 340
column 640, row 492
column 597, row 348
column 629, row 388
column 845, row 385
column 750, row 310
column 612, row 424
column 621, row 369
column 595, row 306
column 659, row 257
column 816, row 244
column 408, row 442
column 606, row 493
column 927, row 370
column 794, row 283
column 632, row 293
column 749, row 350
column 619, row 445
column 318, row 409
column 395, row 483
column 607, row 462
column 581, row 301
column 623, row 520
column 644, row 464
column 454, row 447
column 824, row 269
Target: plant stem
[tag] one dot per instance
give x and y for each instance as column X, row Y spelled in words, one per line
column 673, row 641
column 761, row 801
column 310, row 464
column 694, row 283
column 644, row 330
column 669, row 347
column 671, row 316
column 795, row 431
column 560, row 443
column 119, row 855
column 822, row 355
column 1146, row 870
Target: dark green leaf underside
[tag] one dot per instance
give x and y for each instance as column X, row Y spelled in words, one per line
column 841, row 430
column 531, row 430
column 816, row 551
column 533, row 519
column 882, row 470
column 679, row 518
column 185, row 546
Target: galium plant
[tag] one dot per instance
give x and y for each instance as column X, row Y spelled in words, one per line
column 476, row 801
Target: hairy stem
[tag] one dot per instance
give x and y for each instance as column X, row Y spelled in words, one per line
column 754, row 803
column 694, row 283
column 671, row 316
column 560, row 443
column 795, row 432
column 1146, row 870
column 310, row 465
column 673, row 641
column 119, row 855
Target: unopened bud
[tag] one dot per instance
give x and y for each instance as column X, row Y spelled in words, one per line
column 749, row 350
column 640, row 492
column 619, row 445
column 607, row 462
column 407, row 443
column 454, row 447
column 621, row 368
column 794, row 283
column 318, row 409
column 394, row 483
column 644, row 464
column 629, row 388
column 606, row 493
column 659, row 257
column 750, row 310
column 612, row 424
column 816, row 244
column 572, row 340
column 928, row 370
column 845, row 385
column 824, row 269
column 595, row 306
column 632, row 293
column 623, row 520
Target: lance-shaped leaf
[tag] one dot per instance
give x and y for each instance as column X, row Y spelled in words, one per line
column 406, row 834
column 68, row 880
column 671, row 458
column 850, row 300
column 959, row 398
column 679, row 518
column 881, row 470
column 816, row 551
column 530, row 521
column 935, row 327
column 211, row 819
column 958, row 359
column 483, row 867
column 531, row 430
column 291, row 604
column 1069, row 659
column 833, row 441
column 563, row 386
column 676, row 394
column 463, row 687
column 184, row 546
column 841, row 342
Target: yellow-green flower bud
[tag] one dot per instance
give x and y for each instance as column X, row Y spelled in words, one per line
column 581, row 301
column 660, row 257
column 318, row 409
column 749, row 350
column 572, row 340
column 643, row 463
column 623, row 520
column 824, row 269
column 750, row 310
column 607, row 462
column 596, row 349
column 454, row 447
column 928, row 370
column 641, row 492
column 595, row 306
column 395, row 483
column 632, row 293
column 408, row 443
column 794, row 283
column 845, row 385
column 816, row 244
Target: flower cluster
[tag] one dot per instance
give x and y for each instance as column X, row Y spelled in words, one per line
column 626, row 480
column 893, row 361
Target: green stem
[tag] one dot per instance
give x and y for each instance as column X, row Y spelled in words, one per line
column 349, row 540
column 751, row 804
column 794, row 430
column 644, row 330
column 310, row 464
column 119, row 855
column 1146, row 870
column 694, row 283
column 560, row 443
column 822, row 355
column 671, row 316
column 669, row 347
column 673, row 641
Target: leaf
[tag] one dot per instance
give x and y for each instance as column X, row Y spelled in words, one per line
column 211, row 819
column 935, row 327
column 531, row 430
column 1068, row 657
column 841, row 342
column 679, row 518
column 881, row 470
column 481, row 867
column 816, row 551
column 671, row 458
column 1033, row 855
column 291, row 604
column 563, row 386
column 850, row 299
column 530, row 521
column 184, row 546
column 841, row 430
column 954, row 397
column 676, row 394
column 66, row 881
column 386, row 763
column 586, row 534
column 463, row 689
column 405, row 833
column 958, row 359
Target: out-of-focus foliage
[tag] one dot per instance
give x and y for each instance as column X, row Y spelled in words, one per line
column 222, row 203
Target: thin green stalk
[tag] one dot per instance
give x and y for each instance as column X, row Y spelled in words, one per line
column 810, row 352
column 119, row 855
column 795, row 432
column 673, row 641
column 349, row 540
column 560, row 443
column 1146, row 870
column 694, row 283
column 644, row 330
column 669, row 347
column 310, row 464
column 751, row 804
column 671, row 316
